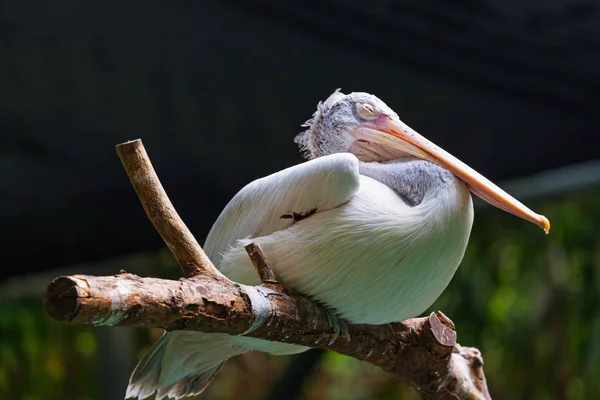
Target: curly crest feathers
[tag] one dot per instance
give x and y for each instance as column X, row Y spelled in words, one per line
column 307, row 140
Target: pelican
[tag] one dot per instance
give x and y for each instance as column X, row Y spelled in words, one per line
column 373, row 225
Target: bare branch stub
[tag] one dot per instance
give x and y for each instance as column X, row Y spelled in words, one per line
column 160, row 211
column 259, row 260
column 443, row 329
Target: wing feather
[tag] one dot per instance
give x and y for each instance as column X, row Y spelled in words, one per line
column 320, row 184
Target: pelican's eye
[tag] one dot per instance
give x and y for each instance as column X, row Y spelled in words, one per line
column 366, row 111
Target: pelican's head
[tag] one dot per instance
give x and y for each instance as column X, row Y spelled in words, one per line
column 362, row 124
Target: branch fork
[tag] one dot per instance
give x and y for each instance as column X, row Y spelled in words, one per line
column 422, row 352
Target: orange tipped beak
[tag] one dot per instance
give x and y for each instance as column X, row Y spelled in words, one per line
column 397, row 135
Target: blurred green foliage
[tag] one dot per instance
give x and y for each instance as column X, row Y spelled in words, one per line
column 528, row 301
column 40, row 359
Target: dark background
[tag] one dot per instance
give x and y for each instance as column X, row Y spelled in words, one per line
column 217, row 91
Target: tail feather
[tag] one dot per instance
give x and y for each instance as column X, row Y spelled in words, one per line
column 144, row 379
column 181, row 364
column 192, row 385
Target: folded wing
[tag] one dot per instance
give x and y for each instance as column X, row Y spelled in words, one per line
column 276, row 201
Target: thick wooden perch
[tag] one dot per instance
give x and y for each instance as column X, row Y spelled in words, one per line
column 421, row 351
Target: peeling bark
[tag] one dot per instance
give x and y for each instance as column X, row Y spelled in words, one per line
column 420, row 351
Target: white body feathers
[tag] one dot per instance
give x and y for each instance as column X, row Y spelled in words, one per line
column 371, row 257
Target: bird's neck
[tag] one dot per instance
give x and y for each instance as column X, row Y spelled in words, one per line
column 411, row 178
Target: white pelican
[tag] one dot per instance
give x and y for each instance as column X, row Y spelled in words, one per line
column 374, row 225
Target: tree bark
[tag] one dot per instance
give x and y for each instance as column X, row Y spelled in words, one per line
column 421, row 351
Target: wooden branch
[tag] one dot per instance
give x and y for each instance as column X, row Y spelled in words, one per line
column 260, row 263
column 160, row 211
column 421, row 351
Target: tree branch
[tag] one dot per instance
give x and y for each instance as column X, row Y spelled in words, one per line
column 421, row 351
column 257, row 256
column 160, row 211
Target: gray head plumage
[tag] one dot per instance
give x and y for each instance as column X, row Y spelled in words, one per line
column 330, row 126
column 307, row 140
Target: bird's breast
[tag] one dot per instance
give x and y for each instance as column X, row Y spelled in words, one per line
column 374, row 259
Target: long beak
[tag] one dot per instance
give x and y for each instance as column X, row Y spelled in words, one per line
column 399, row 136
